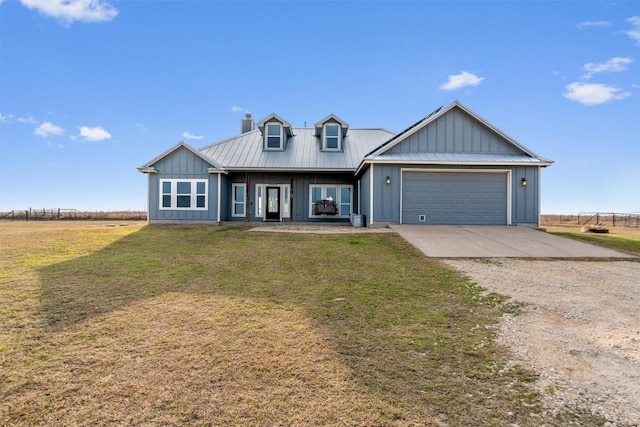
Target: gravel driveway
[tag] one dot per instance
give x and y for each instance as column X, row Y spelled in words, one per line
column 579, row 329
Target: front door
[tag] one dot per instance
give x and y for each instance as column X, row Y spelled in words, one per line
column 273, row 204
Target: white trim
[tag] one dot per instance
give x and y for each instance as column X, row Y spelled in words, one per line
column 235, row 202
column 259, row 201
column 431, row 118
column 371, row 195
column 449, row 163
column 324, row 137
column 219, row 196
column 284, row 201
column 539, row 190
column 338, row 199
column 193, row 194
column 507, row 172
column 267, row 136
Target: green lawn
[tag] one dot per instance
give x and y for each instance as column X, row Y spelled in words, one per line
column 177, row 325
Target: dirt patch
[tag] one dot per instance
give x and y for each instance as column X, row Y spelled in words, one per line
column 579, row 327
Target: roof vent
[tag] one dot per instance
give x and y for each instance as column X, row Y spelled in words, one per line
column 247, row 124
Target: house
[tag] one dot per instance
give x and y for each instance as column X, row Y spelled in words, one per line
column 451, row 167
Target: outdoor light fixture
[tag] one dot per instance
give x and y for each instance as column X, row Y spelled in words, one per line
column 523, row 182
column 388, row 181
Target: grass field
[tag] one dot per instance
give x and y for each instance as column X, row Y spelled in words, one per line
column 197, row 326
column 619, row 238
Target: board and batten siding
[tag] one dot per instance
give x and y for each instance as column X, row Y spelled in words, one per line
column 299, row 184
column 386, row 198
column 455, row 132
column 182, row 164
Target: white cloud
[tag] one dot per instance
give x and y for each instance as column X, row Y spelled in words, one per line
column 457, row 81
column 634, row 33
column 237, row 109
column 29, row 120
column 74, row 10
column 613, row 65
column 593, row 93
column 94, row 134
column 188, row 135
column 48, row 129
column 588, row 24
column 5, row 118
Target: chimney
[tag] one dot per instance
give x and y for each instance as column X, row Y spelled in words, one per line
column 247, row 124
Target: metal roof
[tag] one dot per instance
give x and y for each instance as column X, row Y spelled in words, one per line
column 302, row 151
column 459, row 158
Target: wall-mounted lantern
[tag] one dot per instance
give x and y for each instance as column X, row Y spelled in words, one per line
column 523, row 182
column 388, row 180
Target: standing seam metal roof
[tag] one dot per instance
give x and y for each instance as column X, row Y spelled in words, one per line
column 302, row 151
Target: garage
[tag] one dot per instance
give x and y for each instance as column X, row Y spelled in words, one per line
column 452, row 197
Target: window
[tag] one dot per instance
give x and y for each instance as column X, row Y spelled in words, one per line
column 184, row 194
column 274, row 136
column 259, row 200
column 239, row 199
column 331, row 137
column 341, row 194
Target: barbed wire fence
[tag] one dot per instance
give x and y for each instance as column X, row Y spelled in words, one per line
column 594, row 218
column 56, row 214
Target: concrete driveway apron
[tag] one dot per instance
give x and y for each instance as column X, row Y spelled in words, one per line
column 486, row 241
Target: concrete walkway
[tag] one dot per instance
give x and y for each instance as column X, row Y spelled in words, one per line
column 466, row 241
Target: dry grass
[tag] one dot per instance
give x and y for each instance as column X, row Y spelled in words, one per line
column 216, row 326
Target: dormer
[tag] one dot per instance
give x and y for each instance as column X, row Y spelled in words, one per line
column 331, row 130
column 275, row 132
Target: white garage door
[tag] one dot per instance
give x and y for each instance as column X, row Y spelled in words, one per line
column 467, row 198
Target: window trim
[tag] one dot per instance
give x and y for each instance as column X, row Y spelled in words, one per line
column 338, row 200
column 174, row 195
column 325, row 137
column 285, row 195
column 267, row 136
column 235, row 202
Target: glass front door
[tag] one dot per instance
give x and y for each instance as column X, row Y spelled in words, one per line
column 273, row 204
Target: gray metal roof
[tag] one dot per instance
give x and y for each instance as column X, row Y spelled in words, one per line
column 456, row 158
column 302, row 151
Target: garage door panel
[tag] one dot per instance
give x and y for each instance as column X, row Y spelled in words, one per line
column 454, row 198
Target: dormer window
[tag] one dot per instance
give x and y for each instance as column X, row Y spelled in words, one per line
column 331, row 133
column 274, row 136
column 276, row 133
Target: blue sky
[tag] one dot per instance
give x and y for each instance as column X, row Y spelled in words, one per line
column 92, row 89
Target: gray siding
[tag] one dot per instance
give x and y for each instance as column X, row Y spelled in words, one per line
column 524, row 200
column 525, row 203
column 299, row 184
column 455, row 132
column 386, row 202
column 182, row 164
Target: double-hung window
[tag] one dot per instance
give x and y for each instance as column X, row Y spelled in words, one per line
column 183, row 194
column 331, row 137
column 341, row 194
column 274, row 136
column 239, row 199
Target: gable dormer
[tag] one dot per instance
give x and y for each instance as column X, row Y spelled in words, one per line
column 331, row 130
column 275, row 132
